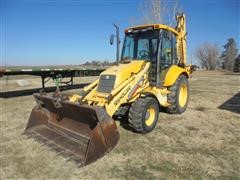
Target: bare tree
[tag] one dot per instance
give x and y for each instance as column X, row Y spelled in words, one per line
column 157, row 11
column 208, row 56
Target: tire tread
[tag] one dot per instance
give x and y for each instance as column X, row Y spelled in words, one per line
column 135, row 113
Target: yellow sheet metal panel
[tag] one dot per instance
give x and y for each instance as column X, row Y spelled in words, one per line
column 124, row 71
column 126, row 94
column 159, row 93
column 172, row 75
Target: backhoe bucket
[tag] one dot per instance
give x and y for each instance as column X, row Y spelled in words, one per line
column 79, row 132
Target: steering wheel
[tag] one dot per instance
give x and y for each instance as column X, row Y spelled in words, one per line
column 144, row 54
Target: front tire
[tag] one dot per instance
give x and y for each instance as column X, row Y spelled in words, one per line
column 178, row 98
column 143, row 114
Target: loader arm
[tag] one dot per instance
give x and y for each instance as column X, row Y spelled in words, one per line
column 127, row 90
column 122, row 94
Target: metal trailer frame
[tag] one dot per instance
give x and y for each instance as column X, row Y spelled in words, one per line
column 54, row 74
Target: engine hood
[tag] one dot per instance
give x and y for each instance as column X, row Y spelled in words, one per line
column 121, row 72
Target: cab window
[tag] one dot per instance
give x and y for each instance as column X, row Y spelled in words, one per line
column 168, row 50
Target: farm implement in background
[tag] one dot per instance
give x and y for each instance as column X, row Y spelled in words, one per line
column 57, row 75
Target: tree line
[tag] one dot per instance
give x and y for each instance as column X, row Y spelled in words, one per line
column 210, row 57
column 99, row 63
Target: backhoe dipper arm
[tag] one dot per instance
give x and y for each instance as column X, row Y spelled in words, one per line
column 181, row 38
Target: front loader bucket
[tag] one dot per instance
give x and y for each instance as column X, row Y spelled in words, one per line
column 79, row 132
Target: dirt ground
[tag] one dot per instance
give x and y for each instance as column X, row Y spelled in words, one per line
column 203, row 142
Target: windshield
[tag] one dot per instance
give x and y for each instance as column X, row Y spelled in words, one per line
column 141, row 45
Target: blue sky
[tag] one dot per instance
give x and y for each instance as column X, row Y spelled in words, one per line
column 49, row 32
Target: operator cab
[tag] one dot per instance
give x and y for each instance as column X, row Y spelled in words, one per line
column 155, row 45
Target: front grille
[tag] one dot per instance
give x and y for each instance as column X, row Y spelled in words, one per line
column 106, row 83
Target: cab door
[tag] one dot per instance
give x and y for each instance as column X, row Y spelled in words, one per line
column 167, row 54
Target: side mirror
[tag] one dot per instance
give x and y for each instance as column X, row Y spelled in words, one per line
column 112, row 39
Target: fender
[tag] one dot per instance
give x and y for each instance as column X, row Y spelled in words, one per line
column 160, row 94
column 173, row 73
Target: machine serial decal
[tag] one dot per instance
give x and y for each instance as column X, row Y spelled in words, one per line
column 122, row 95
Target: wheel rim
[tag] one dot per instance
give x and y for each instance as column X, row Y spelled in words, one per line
column 150, row 116
column 183, row 94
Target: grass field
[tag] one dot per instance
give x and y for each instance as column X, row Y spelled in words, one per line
column 204, row 142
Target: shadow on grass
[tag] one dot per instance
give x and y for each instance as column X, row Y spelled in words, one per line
column 232, row 104
column 27, row 92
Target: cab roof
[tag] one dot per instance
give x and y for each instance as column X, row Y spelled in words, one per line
column 152, row 26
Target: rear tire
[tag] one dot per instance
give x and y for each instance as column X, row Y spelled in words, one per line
column 178, row 98
column 143, row 114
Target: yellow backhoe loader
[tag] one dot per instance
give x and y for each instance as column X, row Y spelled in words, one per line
column 151, row 74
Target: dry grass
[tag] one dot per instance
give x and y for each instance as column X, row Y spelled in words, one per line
column 201, row 143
